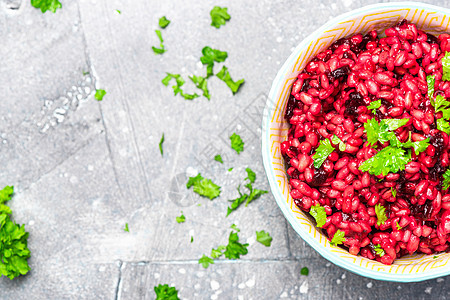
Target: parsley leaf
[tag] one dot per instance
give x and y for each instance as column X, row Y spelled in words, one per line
column 216, row 253
column 225, row 76
column 338, row 238
column 318, row 212
column 181, row 219
column 119, row 11
column 204, row 187
column 304, row 271
column 163, row 22
column 205, row 261
column 160, row 50
column 430, row 84
column 446, row 67
column 382, row 132
column 218, row 158
column 230, row 169
column 434, row 257
column 446, row 182
column 210, row 56
column 339, row 142
column 250, row 175
column 378, row 250
column 236, row 143
column 264, row 238
column 126, row 228
column 254, row 193
column 236, row 202
column 192, row 239
column 99, row 94
column 161, row 144
column 177, row 88
column 418, row 146
column 164, row 292
column 6, row 194
column 325, row 148
column 394, row 192
column 380, row 210
column 398, row 226
column 374, row 105
column 443, row 125
column 235, row 228
column 219, row 15
column 389, row 159
column 234, row 249
column 44, row 5
column 202, row 84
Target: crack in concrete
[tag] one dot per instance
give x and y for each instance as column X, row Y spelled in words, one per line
column 119, row 281
column 220, row 261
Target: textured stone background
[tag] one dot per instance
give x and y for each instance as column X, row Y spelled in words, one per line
column 82, row 169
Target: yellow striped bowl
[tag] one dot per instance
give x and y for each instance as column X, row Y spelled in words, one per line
column 274, row 131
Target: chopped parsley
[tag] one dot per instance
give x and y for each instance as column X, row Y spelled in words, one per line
column 230, row 169
column 338, row 238
column 163, row 22
column 251, row 176
column 380, row 211
column 264, row 238
column 225, row 76
column 126, row 228
column 181, row 219
column 434, row 257
column 254, row 193
column 318, row 212
column 236, row 143
column 382, row 132
column 430, row 83
column 99, row 94
column 234, row 227
column 14, row 252
column 234, row 249
column 374, row 106
column 418, row 146
column 205, row 261
column 218, row 158
column 339, row 142
column 44, row 5
column 446, row 67
column 304, row 271
column 177, row 88
column 325, row 148
column 378, row 250
column 398, row 226
column 445, row 183
column 161, row 145
column 161, row 48
column 216, row 253
column 192, row 239
column 164, row 292
column 441, row 105
column 119, row 11
column 236, row 202
column 202, row 84
column 204, row 187
column 389, row 159
column 394, row 192
column 210, row 56
column 219, row 15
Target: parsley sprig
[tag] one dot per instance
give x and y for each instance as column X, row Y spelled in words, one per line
column 338, row 238
column 374, row 106
column 204, row 187
column 446, row 67
column 380, row 211
column 378, row 250
column 45, row 5
column 161, row 48
column 165, row 292
column 325, row 148
column 219, row 15
column 177, row 88
column 318, row 212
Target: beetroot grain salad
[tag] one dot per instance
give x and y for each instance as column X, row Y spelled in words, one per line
column 367, row 152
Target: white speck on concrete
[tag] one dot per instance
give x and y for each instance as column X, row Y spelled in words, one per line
column 343, row 276
column 304, row 287
column 328, row 265
column 428, row 290
column 214, row 297
column 240, row 297
column 214, row 285
column 279, row 39
column 90, row 168
column 284, row 295
column 369, row 285
column 191, row 232
column 200, row 274
column 241, row 286
column 197, row 286
column 338, row 281
column 182, row 271
column 347, row 3
column 156, row 275
column 102, row 269
column 31, row 223
column 250, row 283
column 191, row 172
column 439, row 280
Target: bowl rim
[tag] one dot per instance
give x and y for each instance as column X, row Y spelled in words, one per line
column 276, row 192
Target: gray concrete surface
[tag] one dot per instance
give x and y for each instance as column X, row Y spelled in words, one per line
column 82, row 169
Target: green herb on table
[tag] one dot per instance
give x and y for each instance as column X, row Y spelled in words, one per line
column 225, row 76
column 192, row 239
column 164, row 292
column 378, row 250
column 204, row 187
column 45, row 5
column 236, row 143
column 236, row 202
column 163, row 22
column 380, row 211
column 251, row 176
column 202, row 84
column 219, row 15
column 319, row 214
column 234, row 249
column 304, row 271
column 161, row 48
column 254, row 193
column 205, row 261
column 230, row 169
column 99, row 94
column 218, row 158
column 119, row 11
column 325, row 148
column 210, row 56
column 374, row 105
column 234, row 227
column 161, row 145
column 434, row 257
column 338, row 238
column 264, row 238
column 177, row 88
column 181, row 219
column 126, row 228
